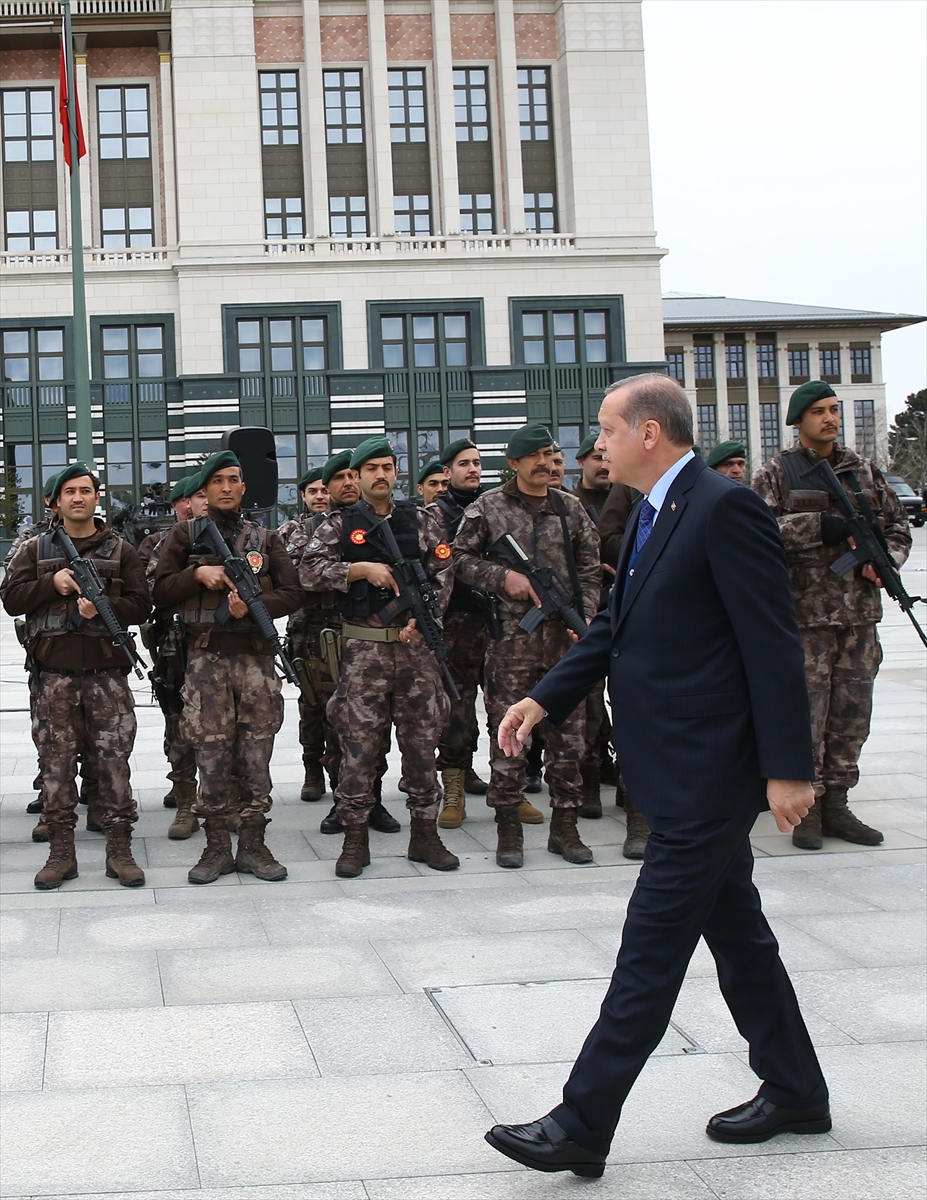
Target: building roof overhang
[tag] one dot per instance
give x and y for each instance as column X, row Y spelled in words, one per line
column 682, row 310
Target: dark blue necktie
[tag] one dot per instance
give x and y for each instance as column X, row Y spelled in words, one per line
column 645, row 522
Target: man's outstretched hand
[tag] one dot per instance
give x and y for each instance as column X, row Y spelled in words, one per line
column 517, row 723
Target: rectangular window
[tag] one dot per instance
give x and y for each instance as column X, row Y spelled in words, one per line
column 18, row 480
column 33, row 367
column 346, row 155
column 407, row 106
column 799, row 364
column 281, row 345
column 707, row 426
column 704, row 360
column 279, row 108
column 537, row 149
column 344, row 108
column 474, row 149
column 829, row 360
column 129, row 225
column 770, row 433
column 122, row 115
column 287, row 475
column 860, row 364
column 133, row 363
column 30, row 186
column 565, row 337
column 766, row 366
column 676, row 365
column 738, row 426
column 283, row 217
column 412, row 215
column 864, row 414
column 735, row 361
column 425, row 340
column 318, row 450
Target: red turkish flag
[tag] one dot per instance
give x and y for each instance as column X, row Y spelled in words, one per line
column 63, row 115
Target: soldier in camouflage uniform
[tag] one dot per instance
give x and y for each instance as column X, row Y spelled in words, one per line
column 387, row 673
column 465, row 635
column 81, row 692
column 303, row 630
column 837, row 615
column 188, row 499
column 320, row 611
column 432, row 482
column 553, row 528
column 232, row 702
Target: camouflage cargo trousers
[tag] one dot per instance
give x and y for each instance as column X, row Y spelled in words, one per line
column 232, row 708
column 514, row 665
column 840, row 668
column 316, row 736
column 383, row 682
column 178, row 751
column 69, row 712
column 465, row 635
column 598, row 726
column 86, row 760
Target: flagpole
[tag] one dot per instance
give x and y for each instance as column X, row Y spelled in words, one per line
column 82, row 419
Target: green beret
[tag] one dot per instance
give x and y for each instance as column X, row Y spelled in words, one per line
column 804, row 396
column 75, row 470
column 179, row 490
column 725, row 450
column 697, row 450
column 528, row 439
column 338, row 462
column 215, row 462
column 49, row 486
column 455, row 448
column 435, row 467
column 313, row 475
column 372, row 447
column 587, row 446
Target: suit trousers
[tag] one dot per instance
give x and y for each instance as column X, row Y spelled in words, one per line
column 696, row 881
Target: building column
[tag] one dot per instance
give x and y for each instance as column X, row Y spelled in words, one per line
column 169, row 178
column 445, row 125
column 507, row 68
column 315, row 163
column 753, row 402
column 721, row 389
column 83, row 99
column 380, row 131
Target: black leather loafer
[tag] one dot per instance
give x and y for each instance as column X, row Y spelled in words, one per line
column 544, row 1146
column 759, row 1119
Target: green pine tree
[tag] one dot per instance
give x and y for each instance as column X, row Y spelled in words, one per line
column 907, row 441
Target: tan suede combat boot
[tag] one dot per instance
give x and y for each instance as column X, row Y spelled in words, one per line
column 635, row 842
column 510, row 843
column 216, row 858
column 425, row 846
column 355, row 853
column 119, row 861
column 313, row 788
column 564, row 838
column 529, row 815
column 184, row 824
column 62, row 861
column 455, row 800
column 253, row 856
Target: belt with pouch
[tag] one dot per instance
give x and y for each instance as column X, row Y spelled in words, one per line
column 364, row 633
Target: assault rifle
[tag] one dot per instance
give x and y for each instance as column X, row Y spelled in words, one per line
column 866, row 532
column 91, row 588
column 206, row 533
column 547, row 585
column 417, row 596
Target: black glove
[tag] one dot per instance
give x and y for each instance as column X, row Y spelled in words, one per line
column 834, row 530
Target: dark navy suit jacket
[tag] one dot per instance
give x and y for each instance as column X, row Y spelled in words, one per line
column 703, row 656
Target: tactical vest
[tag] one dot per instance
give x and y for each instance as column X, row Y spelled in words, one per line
column 51, row 620
column 198, row 612
column 464, row 598
column 802, row 497
column 359, row 544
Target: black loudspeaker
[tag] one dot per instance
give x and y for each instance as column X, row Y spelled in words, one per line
column 257, row 453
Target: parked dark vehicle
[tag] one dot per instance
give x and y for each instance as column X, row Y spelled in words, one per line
column 914, row 505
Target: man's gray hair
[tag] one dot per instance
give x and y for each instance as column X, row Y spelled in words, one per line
column 656, row 398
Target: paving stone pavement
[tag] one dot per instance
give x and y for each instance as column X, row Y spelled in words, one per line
column 352, row 1040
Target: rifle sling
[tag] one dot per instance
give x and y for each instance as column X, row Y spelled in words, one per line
column 559, row 508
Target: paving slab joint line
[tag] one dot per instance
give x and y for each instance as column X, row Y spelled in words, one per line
column 196, row 1157
column 431, row 993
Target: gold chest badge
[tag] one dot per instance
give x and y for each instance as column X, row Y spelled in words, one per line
column 255, row 561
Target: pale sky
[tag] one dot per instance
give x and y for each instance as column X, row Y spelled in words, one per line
column 789, row 146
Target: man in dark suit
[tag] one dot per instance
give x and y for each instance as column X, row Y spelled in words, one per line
column 711, row 723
